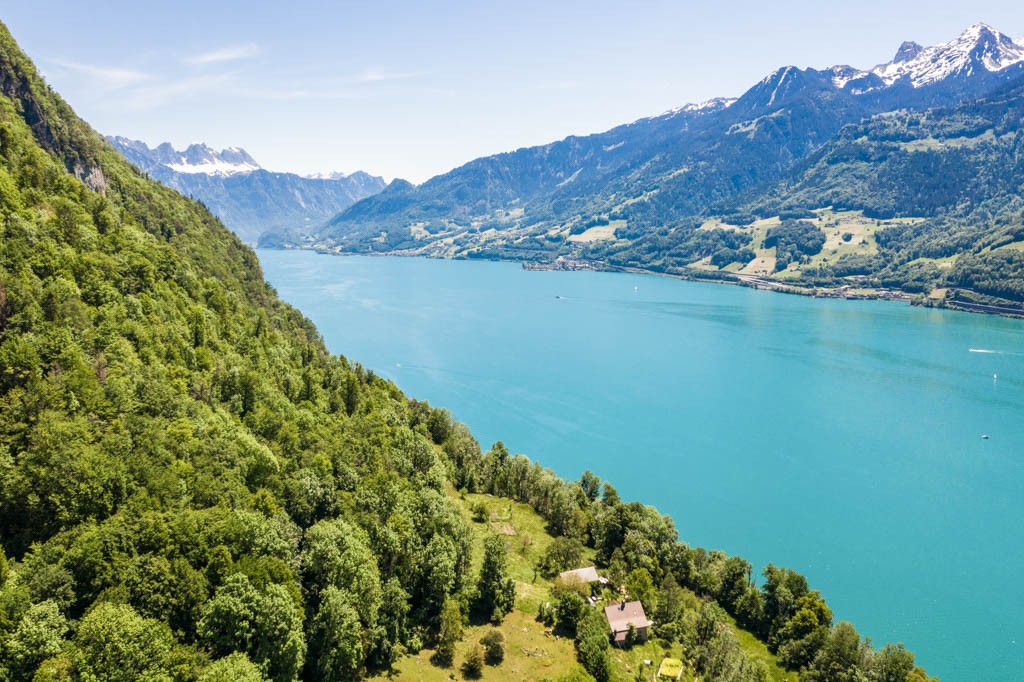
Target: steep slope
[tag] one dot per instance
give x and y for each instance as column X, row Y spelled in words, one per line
column 179, row 455
column 247, row 198
column 950, row 183
column 192, row 488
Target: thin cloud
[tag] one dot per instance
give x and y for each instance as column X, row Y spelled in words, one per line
column 380, row 76
column 225, row 54
column 146, row 97
column 110, row 78
column 300, row 94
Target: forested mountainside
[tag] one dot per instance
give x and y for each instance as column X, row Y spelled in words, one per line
column 193, row 488
column 917, row 158
column 249, row 199
column 950, row 179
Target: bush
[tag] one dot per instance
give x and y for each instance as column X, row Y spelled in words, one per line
column 473, row 666
column 494, row 647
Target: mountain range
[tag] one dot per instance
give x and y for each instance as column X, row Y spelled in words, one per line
column 707, row 189
column 249, row 199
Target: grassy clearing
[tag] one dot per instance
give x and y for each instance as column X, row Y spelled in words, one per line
column 756, row 649
column 629, row 662
column 599, row 233
column 934, row 144
column 846, row 232
column 1015, row 246
column 763, row 265
column 529, row 655
column 532, row 651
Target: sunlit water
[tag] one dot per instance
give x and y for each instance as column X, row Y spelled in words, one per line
column 839, row 438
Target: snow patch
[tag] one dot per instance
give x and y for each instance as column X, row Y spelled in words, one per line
column 705, row 107
column 212, row 167
column 782, row 80
column 326, row 175
column 978, row 44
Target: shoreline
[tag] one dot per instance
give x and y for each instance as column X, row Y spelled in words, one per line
column 734, row 279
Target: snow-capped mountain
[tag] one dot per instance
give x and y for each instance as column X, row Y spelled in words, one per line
column 326, row 175
column 668, row 170
column 249, row 199
column 979, row 49
column 705, row 107
column 197, row 158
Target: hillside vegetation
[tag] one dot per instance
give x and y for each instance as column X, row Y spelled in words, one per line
column 193, row 488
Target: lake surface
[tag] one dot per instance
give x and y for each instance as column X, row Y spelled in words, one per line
column 839, row 438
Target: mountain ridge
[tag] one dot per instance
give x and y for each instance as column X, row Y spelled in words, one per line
column 636, row 195
column 248, row 198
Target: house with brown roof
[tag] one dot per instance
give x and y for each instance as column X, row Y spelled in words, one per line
column 622, row 615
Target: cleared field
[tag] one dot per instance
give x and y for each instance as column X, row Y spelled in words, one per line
column 530, row 654
column 598, row 233
column 762, row 266
column 846, row 232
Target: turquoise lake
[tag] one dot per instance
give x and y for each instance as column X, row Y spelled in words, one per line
column 840, row 438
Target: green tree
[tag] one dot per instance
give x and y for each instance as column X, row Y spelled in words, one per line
column 805, row 632
column 115, row 643
column 451, row 630
column 569, row 609
column 592, row 644
column 640, row 586
column 841, row 658
column 591, row 485
column 392, row 623
column 562, row 554
column 235, row 667
column 893, row 663
column 496, row 592
column 336, row 646
column 337, row 553
column 265, row 625
column 39, row 635
column 735, row 581
column 669, row 602
column 610, row 496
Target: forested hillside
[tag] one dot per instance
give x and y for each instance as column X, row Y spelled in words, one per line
column 956, row 177
column 193, row 488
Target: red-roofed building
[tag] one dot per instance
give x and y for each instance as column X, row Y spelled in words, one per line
column 621, row 616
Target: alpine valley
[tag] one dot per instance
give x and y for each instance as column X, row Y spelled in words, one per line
column 841, row 181
column 193, row 488
column 247, row 198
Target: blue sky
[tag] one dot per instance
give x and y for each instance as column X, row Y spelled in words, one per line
column 411, row 89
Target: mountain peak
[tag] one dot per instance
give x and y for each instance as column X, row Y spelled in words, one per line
column 978, row 49
column 977, row 30
column 705, row 107
column 908, row 50
column 198, row 157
